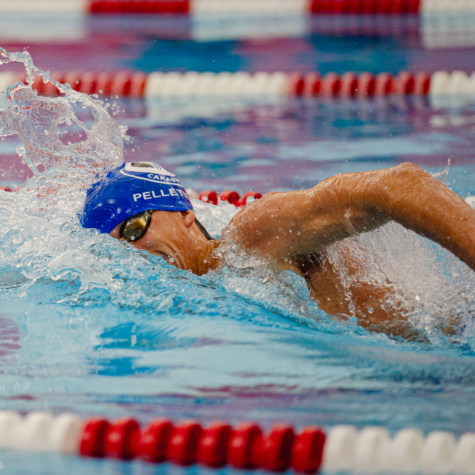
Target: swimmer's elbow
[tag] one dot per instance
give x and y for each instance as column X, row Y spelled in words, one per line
column 409, row 168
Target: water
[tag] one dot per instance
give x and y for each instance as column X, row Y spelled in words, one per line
column 91, row 325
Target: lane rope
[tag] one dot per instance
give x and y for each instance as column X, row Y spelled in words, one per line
column 241, row 7
column 193, row 84
column 232, row 7
column 243, row 84
column 244, row 446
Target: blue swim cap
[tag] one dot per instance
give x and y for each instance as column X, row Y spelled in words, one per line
column 131, row 189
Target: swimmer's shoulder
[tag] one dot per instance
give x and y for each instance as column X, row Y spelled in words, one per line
column 255, row 226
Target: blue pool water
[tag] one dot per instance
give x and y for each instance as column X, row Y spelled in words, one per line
column 94, row 327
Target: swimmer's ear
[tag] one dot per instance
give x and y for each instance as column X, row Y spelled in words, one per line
column 188, row 217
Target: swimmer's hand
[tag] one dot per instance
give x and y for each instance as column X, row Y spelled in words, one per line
column 288, row 227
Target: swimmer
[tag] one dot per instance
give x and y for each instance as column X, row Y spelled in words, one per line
column 147, row 206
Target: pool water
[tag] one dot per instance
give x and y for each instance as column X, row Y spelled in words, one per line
column 92, row 326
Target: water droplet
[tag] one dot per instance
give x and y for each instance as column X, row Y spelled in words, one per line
column 370, row 310
column 250, row 200
column 171, row 259
column 290, row 230
column 46, row 132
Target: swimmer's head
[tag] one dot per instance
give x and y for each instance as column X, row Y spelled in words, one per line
column 129, row 190
column 148, row 207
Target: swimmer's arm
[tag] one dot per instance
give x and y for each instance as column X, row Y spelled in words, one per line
column 289, row 226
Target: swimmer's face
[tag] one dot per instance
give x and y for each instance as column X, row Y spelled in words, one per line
column 171, row 235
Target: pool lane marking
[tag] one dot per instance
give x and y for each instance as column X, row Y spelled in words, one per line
column 260, row 84
column 239, row 84
column 241, row 7
column 244, row 446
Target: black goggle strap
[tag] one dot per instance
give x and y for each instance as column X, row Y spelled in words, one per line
column 136, row 226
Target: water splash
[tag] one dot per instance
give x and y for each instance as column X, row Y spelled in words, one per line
column 43, row 238
column 429, row 287
column 37, row 120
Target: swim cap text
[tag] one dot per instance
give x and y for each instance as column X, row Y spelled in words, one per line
column 150, row 195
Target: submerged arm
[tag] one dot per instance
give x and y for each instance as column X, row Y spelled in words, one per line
column 293, row 225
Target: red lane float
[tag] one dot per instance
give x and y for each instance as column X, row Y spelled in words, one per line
column 364, row 7
column 242, row 447
column 331, row 85
column 312, row 85
column 183, row 443
column 213, row 445
column 349, row 85
column 307, row 450
column 230, row 196
column 404, row 84
column 139, row 6
column 209, row 197
column 154, row 441
column 421, row 84
column 366, row 85
column 276, row 449
column 122, row 439
column 249, row 198
column 88, row 83
column 384, row 84
column 104, row 83
column 93, row 438
column 296, row 84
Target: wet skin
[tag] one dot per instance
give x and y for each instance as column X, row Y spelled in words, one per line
column 293, row 229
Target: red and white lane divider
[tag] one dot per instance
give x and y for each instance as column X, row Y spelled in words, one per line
column 243, row 84
column 240, row 84
column 245, row 446
column 229, row 196
column 245, row 7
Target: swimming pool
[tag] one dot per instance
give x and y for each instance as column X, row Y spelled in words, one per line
column 92, row 327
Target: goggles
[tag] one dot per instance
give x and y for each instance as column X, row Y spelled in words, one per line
column 136, row 226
